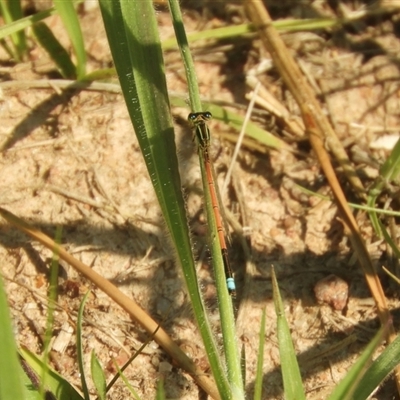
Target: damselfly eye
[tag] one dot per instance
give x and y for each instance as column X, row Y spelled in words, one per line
column 207, row 115
column 192, row 116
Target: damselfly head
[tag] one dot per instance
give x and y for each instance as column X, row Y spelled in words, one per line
column 199, row 117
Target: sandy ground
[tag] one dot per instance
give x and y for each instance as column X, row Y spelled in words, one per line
column 72, row 161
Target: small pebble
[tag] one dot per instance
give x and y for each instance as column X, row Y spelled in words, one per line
column 332, row 290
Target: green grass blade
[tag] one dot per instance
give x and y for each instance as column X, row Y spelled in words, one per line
column 50, row 310
column 60, row 387
column 252, row 130
column 98, row 376
column 391, row 213
column 18, row 38
column 260, row 360
column 389, row 239
column 6, row 11
column 57, row 52
column 79, row 348
column 10, row 50
column 70, row 20
column 230, row 32
column 213, row 34
column 194, row 96
column 388, row 173
column 379, row 369
column 160, row 390
column 29, row 379
column 347, row 387
column 127, row 384
column 25, row 22
column 390, row 170
column 225, row 302
column 138, row 61
column 11, row 386
column 120, row 371
column 292, row 382
column 139, row 65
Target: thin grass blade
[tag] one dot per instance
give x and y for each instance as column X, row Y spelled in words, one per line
column 52, row 299
column 23, row 23
column 11, row 385
column 388, row 173
column 68, row 14
column 79, row 347
column 55, row 383
column 292, row 382
column 379, row 369
column 98, row 376
column 352, row 382
column 56, row 51
column 160, row 390
column 18, row 38
column 231, row 350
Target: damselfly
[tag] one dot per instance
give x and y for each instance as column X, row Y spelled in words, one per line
column 202, row 132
